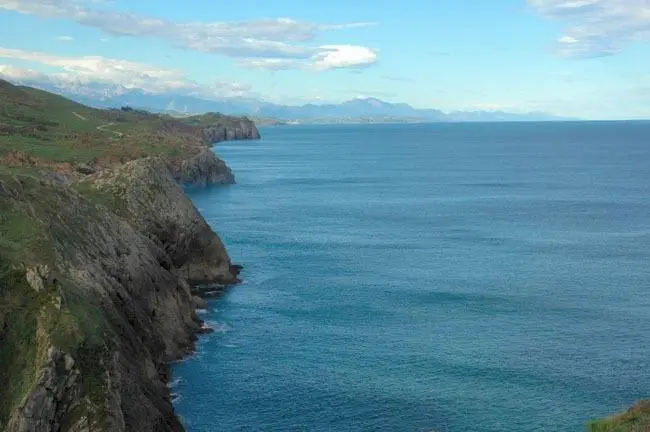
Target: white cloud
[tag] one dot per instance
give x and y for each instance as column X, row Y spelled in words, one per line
column 13, row 73
column 64, row 38
column 568, row 40
column 327, row 57
column 96, row 71
column 280, row 38
column 344, row 56
column 271, row 63
column 597, row 27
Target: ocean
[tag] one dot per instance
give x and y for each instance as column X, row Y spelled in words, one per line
column 448, row 277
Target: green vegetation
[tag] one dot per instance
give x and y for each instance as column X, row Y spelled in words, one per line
column 211, row 119
column 40, row 128
column 59, row 315
column 109, row 198
column 20, row 308
column 18, row 312
column 636, row 419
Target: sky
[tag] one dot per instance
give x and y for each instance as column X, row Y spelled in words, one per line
column 579, row 58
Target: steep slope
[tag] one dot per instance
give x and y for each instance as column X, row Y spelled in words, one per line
column 144, row 193
column 105, row 304
column 99, row 253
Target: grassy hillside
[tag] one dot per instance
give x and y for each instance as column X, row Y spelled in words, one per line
column 635, row 419
column 40, row 128
column 209, row 119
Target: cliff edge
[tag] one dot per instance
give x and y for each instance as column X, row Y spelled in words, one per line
column 201, row 170
column 100, row 250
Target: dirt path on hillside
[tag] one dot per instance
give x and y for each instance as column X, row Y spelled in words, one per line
column 101, row 128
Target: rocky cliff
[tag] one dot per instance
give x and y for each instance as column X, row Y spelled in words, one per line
column 101, row 258
column 239, row 129
column 144, row 193
column 96, row 296
column 201, row 170
column 204, row 167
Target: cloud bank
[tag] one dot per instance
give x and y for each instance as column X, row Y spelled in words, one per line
column 597, row 28
column 94, row 73
column 279, row 43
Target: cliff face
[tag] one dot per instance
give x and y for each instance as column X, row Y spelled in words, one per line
column 203, row 169
column 242, row 129
column 145, row 194
column 109, row 303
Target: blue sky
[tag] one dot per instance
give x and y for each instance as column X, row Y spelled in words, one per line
column 586, row 58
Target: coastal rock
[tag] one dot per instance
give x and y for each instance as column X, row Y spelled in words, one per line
column 122, row 263
column 238, row 129
column 151, row 201
column 202, row 170
column 114, row 278
column 68, row 362
column 56, row 387
column 199, row 303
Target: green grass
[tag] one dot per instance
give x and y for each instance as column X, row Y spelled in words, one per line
column 18, row 311
column 51, row 129
column 207, row 119
column 636, row 419
column 22, row 236
column 18, row 232
column 110, row 198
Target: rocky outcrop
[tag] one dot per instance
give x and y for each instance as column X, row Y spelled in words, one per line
column 112, row 277
column 205, row 168
column 57, row 386
column 237, row 129
column 202, row 170
column 145, row 194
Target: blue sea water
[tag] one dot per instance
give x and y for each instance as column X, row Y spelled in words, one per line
column 449, row 277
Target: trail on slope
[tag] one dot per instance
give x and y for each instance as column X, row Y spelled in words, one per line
column 101, row 128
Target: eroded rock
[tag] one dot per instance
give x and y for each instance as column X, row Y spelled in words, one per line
column 37, row 277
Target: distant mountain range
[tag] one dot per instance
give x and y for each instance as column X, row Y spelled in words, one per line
column 358, row 110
